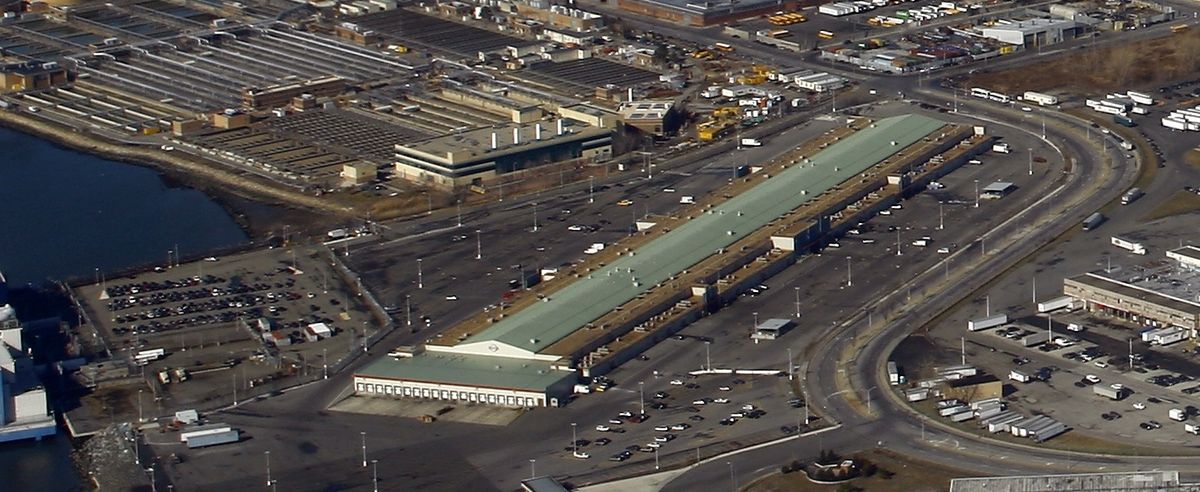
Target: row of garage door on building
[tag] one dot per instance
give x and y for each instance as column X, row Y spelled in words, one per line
column 507, row 398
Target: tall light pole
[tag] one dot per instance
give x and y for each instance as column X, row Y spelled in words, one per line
column 977, row 193
column 797, row 289
column 364, row 447
column 532, row 468
column 458, row 205
column 478, row 246
column 898, row 253
column 848, row 281
column 420, row 280
column 941, row 222
column 791, row 375
column 375, row 474
column 535, row 222
column 1031, row 161
column 407, row 310
column 140, row 419
column 428, row 203
column 642, row 396
column 591, row 189
column 732, row 476
column 707, row 358
column 268, row 454
column 574, row 441
column 756, row 320
column 655, row 458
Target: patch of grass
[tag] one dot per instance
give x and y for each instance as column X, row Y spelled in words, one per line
column 904, row 474
column 1192, row 157
column 1181, row 202
column 1111, row 67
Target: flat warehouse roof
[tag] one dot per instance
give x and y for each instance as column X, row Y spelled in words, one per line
column 542, row 324
column 468, row 370
column 1096, row 281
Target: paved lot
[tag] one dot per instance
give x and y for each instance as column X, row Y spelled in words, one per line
column 1079, row 252
column 195, row 313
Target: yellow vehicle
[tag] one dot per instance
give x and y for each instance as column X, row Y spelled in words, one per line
column 825, row 34
column 779, row 33
column 625, row 203
column 1178, row 28
column 702, row 54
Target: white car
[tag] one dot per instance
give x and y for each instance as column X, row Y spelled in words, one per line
column 1101, row 364
column 725, row 388
column 721, row 400
column 575, row 227
column 679, row 427
column 451, row 298
column 699, row 402
column 748, row 407
column 603, row 428
column 1139, row 405
column 581, row 455
column 676, row 382
column 654, row 444
column 661, row 428
column 1092, row 378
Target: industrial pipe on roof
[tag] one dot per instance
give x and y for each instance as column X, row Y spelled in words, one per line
column 537, row 131
column 516, row 135
column 494, row 141
column 560, row 126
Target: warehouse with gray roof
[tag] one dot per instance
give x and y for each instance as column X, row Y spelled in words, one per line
column 519, row 358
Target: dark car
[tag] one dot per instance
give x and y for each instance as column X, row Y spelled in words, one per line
column 603, row 441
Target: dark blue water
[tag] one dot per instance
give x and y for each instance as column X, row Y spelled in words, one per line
column 66, row 214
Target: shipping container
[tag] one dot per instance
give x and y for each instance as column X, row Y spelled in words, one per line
column 213, row 439
column 1055, row 304
column 988, row 322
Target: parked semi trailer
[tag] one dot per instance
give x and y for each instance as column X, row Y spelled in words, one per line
column 1132, row 247
column 1056, row 304
column 988, row 322
column 1093, row 221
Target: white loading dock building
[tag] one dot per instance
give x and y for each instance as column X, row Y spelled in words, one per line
column 1033, row 32
column 1155, row 294
column 497, row 381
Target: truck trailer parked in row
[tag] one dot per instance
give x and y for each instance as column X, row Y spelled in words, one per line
column 988, row 322
column 1131, row 196
column 1064, row 302
column 1040, row 99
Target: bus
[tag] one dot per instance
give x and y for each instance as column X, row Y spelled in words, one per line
column 779, row 33
column 980, row 92
column 723, row 47
column 825, row 34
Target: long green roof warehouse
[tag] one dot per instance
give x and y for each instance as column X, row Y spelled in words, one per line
column 531, row 357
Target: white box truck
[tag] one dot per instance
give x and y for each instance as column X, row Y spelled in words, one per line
column 1019, row 376
column 1177, row 414
column 1132, row 247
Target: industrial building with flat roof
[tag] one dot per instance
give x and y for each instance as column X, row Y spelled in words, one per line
column 1160, row 293
column 478, row 156
column 690, row 13
column 535, row 343
column 1033, row 32
column 1124, row 481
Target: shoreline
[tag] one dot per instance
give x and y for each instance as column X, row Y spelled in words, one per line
column 176, row 169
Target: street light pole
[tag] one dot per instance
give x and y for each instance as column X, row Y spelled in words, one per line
column 420, row 279
column 364, row 447
column 535, row 222
column 532, row 468
column 478, row 246
column 591, row 189
column 797, row 302
column 977, row 193
column 732, row 476
column 458, row 205
column 268, row 454
column 642, row 396
column 1031, row 161
column 707, row 358
column 574, row 440
column 407, row 310
column 873, row 388
column 375, row 474
column 791, row 376
column 848, row 282
column 941, row 222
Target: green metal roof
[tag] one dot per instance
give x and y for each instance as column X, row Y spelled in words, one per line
column 588, row 298
column 468, row 370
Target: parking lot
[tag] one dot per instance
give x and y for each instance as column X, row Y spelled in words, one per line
column 204, row 318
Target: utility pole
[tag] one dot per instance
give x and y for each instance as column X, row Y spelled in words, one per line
column 420, row 279
column 364, row 448
column 407, row 310
column 642, row 396
column 797, row 289
column 591, row 189
column 941, row 222
column 478, row 246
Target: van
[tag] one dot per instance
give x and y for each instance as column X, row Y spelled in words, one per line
column 687, row 199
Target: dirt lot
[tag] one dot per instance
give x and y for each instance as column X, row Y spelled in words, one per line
column 896, row 474
column 1110, row 68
